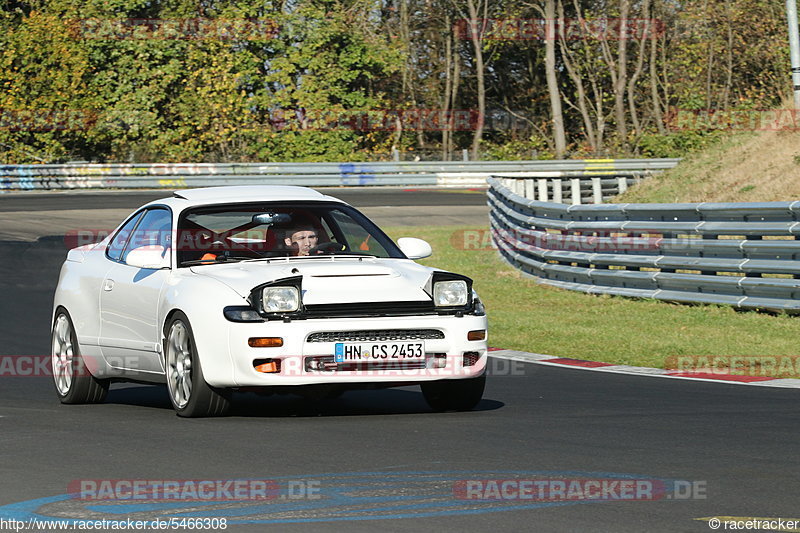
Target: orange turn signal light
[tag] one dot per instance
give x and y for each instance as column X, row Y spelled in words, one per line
column 265, row 342
column 267, row 368
column 476, row 335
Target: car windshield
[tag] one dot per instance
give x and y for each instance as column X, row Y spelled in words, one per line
column 222, row 233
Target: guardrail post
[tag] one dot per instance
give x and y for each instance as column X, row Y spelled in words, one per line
column 576, row 191
column 557, row 196
column 542, row 182
column 623, row 184
column 529, row 193
column 597, row 191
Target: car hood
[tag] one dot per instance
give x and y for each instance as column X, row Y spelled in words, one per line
column 331, row 279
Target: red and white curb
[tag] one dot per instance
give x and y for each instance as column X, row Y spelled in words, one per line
column 565, row 362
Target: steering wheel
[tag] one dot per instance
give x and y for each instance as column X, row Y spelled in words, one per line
column 327, row 247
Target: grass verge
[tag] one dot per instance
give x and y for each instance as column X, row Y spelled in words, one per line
column 526, row 315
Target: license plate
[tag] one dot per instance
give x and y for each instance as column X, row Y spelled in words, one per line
column 378, row 351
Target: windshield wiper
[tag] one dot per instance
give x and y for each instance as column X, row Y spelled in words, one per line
column 357, row 254
column 219, row 260
column 334, row 254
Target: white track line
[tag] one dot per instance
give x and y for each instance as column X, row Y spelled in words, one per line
column 541, row 359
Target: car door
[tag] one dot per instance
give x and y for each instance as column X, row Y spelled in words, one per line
column 130, row 329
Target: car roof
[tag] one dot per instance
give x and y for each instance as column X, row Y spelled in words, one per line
column 232, row 194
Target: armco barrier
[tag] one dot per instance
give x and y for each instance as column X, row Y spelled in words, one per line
column 180, row 175
column 743, row 254
column 573, row 187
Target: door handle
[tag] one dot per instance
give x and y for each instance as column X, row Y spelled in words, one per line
column 108, row 284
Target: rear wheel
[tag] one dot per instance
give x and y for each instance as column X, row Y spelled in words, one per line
column 454, row 394
column 191, row 396
column 74, row 383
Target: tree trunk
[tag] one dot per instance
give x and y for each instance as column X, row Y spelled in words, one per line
column 729, row 59
column 556, row 112
column 448, row 84
column 476, row 36
column 622, row 74
column 656, row 101
column 641, row 50
column 580, row 89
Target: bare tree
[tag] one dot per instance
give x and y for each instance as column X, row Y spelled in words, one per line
column 476, row 24
column 641, row 41
column 448, row 86
column 559, row 135
column 655, row 100
column 618, row 70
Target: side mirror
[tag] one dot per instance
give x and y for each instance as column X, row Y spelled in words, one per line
column 152, row 257
column 414, row 248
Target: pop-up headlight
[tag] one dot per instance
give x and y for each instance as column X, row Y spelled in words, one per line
column 279, row 298
column 450, row 292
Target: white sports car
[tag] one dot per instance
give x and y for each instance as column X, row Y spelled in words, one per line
column 264, row 289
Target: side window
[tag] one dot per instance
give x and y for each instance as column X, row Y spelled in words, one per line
column 117, row 244
column 155, row 229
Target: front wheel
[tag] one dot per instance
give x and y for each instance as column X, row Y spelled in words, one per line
column 454, row 394
column 191, row 396
column 74, row 383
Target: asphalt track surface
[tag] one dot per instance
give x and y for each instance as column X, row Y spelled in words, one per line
column 29, row 216
column 358, row 196
column 381, row 460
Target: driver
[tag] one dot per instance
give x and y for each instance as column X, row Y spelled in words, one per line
column 301, row 239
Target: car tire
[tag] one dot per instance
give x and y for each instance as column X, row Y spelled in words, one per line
column 189, row 393
column 73, row 382
column 454, row 394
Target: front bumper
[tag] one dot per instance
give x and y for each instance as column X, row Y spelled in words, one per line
column 450, row 357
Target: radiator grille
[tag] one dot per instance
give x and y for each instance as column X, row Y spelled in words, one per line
column 384, row 335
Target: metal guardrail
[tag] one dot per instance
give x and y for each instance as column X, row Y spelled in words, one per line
column 178, row 175
column 574, row 187
column 741, row 254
